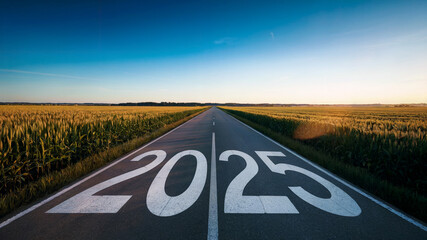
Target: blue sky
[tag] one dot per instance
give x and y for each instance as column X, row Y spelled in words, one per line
column 214, row 51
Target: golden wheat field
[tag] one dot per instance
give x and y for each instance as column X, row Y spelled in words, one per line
column 35, row 140
column 401, row 121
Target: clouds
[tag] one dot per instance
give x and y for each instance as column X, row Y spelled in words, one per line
column 225, row 41
column 44, row 74
column 231, row 40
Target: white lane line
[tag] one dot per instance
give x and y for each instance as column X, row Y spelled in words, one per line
column 213, row 199
column 32, row 208
column 213, row 123
column 361, row 192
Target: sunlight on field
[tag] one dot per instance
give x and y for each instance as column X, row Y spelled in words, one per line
column 401, row 121
column 311, row 130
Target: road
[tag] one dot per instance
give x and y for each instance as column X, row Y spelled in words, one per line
column 211, row 178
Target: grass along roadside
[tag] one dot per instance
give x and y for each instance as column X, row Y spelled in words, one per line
column 58, row 179
column 405, row 199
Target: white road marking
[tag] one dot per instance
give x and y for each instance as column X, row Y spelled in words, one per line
column 160, row 203
column 361, row 192
column 32, row 208
column 213, row 198
column 236, row 202
column 340, row 203
column 213, row 123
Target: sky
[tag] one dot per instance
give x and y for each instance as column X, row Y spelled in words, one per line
column 316, row 52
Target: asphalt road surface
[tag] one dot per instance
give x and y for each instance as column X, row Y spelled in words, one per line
column 211, row 178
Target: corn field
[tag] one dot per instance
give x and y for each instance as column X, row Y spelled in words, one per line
column 391, row 142
column 36, row 140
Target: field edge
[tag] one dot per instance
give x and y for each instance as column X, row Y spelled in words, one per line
column 33, row 192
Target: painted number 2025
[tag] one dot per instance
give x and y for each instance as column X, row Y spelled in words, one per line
column 161, row 204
